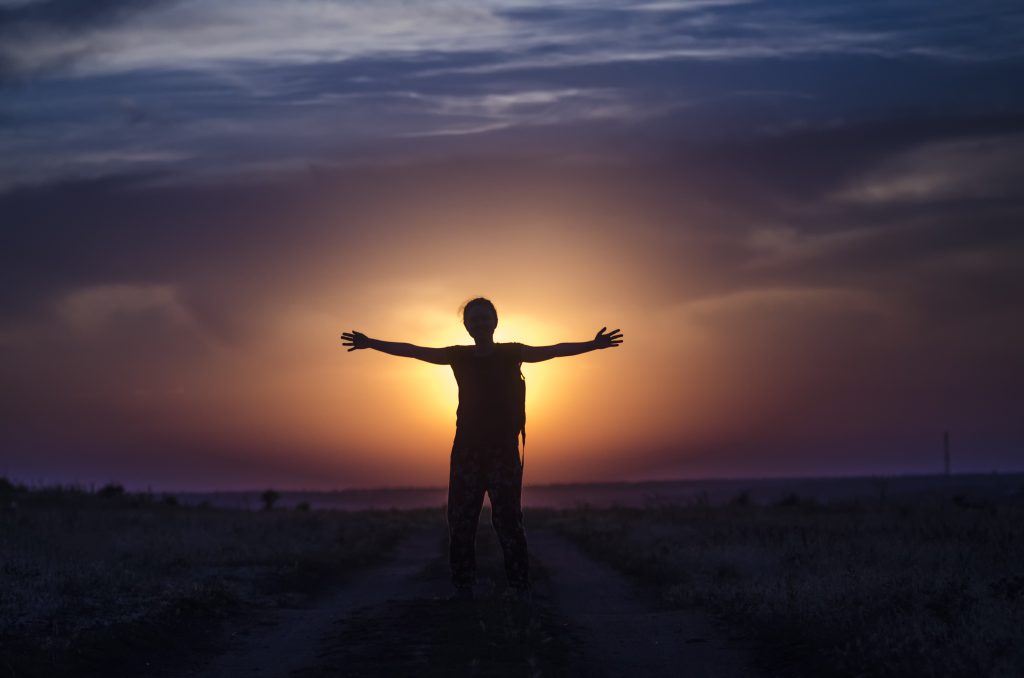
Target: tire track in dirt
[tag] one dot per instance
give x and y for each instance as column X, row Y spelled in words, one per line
column 626, row 630
column 587, row 619
column 290, row 639
column 431, row 636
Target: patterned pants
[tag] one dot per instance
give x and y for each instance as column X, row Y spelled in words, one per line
column 494, row 469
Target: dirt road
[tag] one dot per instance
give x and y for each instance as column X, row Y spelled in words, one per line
column 626, row 629
column 586, row 619
column 290, row 639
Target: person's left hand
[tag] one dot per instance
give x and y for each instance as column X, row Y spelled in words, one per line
column 609, row 340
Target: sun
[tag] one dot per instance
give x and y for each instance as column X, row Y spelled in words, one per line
column 439, row 388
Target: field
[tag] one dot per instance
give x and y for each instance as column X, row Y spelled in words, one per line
column 87, row 577
column 885, row 584
column 927, row 585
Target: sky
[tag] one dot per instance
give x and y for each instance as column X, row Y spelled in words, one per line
column 804, row 216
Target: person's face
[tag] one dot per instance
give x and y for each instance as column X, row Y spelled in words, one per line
column 479, row 322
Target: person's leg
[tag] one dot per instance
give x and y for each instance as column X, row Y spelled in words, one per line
column 466, row 486
column 505, row 487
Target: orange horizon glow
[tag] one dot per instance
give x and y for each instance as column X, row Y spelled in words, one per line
column 394, row 418
column 241, row 381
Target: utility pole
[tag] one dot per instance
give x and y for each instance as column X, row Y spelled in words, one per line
column 945, row 449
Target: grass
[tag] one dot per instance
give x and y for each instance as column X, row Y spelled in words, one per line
column 926, row 586
column 115, row 583
column 93, row 582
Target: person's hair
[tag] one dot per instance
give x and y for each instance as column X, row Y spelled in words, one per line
column 479, row 301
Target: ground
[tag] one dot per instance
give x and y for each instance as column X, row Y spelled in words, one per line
column 396, row 619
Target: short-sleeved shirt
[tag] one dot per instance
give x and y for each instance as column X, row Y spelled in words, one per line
column 492, row 393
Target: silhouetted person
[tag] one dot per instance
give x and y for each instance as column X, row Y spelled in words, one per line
column 490, row 418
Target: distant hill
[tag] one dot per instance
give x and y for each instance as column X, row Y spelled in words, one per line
column 713, row 491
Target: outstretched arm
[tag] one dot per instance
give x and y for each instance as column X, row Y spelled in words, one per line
column 359, row 340
column 535, row 354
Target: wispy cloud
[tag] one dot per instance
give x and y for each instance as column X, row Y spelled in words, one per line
column 105, row 37
column 986, row 167
column 769, row 300
column 190, row 85
column 198, row 35
column 90, row 310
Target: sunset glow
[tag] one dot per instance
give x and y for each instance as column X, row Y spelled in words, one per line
column 807, row 229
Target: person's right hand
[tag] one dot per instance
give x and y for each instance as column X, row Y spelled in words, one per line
column 355, row 340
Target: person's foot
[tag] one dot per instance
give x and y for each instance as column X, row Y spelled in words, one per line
column 462, row 594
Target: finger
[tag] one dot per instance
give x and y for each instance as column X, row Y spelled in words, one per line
column 601, row 330
column 351, row 349
column 615, row 330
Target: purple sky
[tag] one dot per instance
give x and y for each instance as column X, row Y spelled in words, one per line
column 806, row 216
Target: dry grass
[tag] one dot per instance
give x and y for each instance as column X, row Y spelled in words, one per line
column 86, row 575
column 932, row 586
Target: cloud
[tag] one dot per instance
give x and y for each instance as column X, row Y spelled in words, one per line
column 91, row 310
column 202, row 89
column 188, row 34
column 770, row 300
column 487, row 112
column 88, row 164
column 46, row 35
column 989, row 167
column 69, row 13
column 782, row 245
column 116, row 36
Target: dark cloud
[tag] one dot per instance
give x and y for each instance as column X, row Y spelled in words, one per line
column 70, row 14
column 585, row 77
column 42, row 22
column 330, row 113
column 131, row 229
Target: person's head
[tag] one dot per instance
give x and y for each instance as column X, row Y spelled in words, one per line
column 479, row 317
